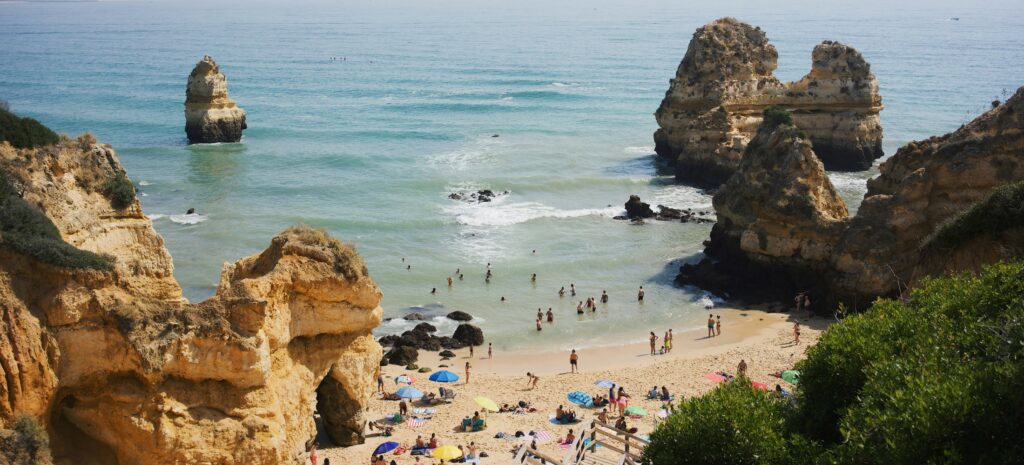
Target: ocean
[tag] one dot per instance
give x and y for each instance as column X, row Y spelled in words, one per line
column 551, row 102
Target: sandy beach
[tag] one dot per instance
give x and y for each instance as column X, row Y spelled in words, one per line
column 763, row 340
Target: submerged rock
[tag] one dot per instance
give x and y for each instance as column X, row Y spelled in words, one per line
column 210, row 116
column 637, row 209
column 714, row 104
column 460, row 315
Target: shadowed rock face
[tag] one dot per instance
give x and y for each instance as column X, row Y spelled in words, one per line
column 783, row 228
column 210, row 116
column 714, row 104
column 121, row 369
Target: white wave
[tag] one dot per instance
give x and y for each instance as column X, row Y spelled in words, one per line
column 501, row 213
column 193, row 218
column 143, row 194
column 143, row 183
column 639, row 150
column 708, row 300
column 479, row 152
column 850, row 182
column 508, row 99
column 562, row 84
column 680, row 196
column 156, row 216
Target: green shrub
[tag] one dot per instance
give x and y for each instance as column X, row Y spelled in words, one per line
column 736, row 424
column 1001, row 210
column 24, row 132
column 29, row 445
column 775, row 115
column 120, row 190
column 26, row 230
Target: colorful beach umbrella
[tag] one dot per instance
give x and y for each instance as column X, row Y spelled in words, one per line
column 406, row 379
column 385, row 448
column 444, row 376
column 409, row 392
column 486, row 404
column 580, row 398
column 635, row 410
column 791, row 376
column 446, row 453
column 605, row 383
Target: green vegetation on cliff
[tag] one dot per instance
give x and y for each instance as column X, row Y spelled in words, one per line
column 1002, row 210
column 24, row 132
column 26, row 230
column 119, row 190
column 933, row 379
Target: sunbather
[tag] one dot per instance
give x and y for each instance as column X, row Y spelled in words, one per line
column 569, row 438
column 664, row 394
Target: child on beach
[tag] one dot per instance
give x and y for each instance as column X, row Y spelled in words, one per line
column 531, row 380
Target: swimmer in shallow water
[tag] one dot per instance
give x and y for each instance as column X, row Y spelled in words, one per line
column 561, row 292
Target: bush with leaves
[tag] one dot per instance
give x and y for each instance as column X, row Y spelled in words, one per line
column 26, row 230
column 24, row 132
column 775, row 115
column 736, row 424
column 120, row 190
column 28, row 445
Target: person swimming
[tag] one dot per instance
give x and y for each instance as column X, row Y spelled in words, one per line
column 579, row 308
column 561, row 292
column 572, row 289
column 604, row 297
column 551, row 316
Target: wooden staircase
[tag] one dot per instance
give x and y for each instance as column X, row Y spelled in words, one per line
column 617, row 448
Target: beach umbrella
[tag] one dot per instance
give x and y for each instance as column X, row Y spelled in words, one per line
column 580, row 398
column 444, row 376
column 385, row 448
column 406, row 379
column 446, row 453
column 409, row 392
column 607, row 384
column 638, row 411
column 791, row 376
column 486, row 404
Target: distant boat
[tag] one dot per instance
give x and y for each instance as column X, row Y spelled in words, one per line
column 954, row 19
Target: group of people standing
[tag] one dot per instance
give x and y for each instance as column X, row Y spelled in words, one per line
column 666, row 345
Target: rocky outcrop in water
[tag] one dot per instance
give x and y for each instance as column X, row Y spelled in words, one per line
column 714, row 104
column 210, row 116
column 783, row 228
column 121, row 369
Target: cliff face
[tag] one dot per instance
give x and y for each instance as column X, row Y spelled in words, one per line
column 783, row 229
column 210, row 116
column 714, row 104
column 122, row 370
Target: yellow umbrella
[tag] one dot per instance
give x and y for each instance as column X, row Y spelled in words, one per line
column 446, row 453
column 486, row 404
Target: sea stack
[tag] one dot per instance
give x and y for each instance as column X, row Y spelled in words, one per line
column 714, row 104
column 210, row 116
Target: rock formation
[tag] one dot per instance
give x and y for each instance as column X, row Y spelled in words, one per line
column 714, row 104
column 121, row 369
column 210, row 116
column 783, row 228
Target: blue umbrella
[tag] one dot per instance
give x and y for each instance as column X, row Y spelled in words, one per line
column 607, row 384
column 444, row 376
column 385, row 448
column 580, row 398
column 409, row 392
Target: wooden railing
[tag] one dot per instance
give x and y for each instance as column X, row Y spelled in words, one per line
column 630, row 447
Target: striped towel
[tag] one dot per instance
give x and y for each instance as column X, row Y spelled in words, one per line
column 415, row 422
column 542, row 436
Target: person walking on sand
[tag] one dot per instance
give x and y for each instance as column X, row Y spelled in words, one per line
column 640, row 295
column 796, row 333
column 604, row 297
column 551, row 316
column 654, row 342
column 489, row 349
column 468, row 368
column 718, row 325
column 574, row 358
column 711, row 326
column 742, row 368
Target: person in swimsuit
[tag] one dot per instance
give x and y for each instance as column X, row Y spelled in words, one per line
column 538, row 324
column 711, row 325
column 671, row 338
column 489, row 349
column 551, row 316
column 533, row 278
column 572, row 289
column 450, row 281
column 604, row 297
column 468, row 368
column 579, row 308
column 573, row 360
column 668, row 342
column 654, row 342
column 718, row 325
column 796, row 333
column 540, row 314
column 742, row 368
column 561, row 292
column 640, row 295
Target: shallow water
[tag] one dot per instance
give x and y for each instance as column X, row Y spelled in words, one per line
column 370, row 146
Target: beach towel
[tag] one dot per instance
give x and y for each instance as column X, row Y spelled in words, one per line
column 416, row 422
column 760, row 385
column 424, row 411
column 715, row 377
column 542, row 437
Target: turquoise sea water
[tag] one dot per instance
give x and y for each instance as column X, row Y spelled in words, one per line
column 369, row 146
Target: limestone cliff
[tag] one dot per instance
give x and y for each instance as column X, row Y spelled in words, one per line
column 713, row 105
column 123, row 371
column 210, row 116
column 783, row 228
